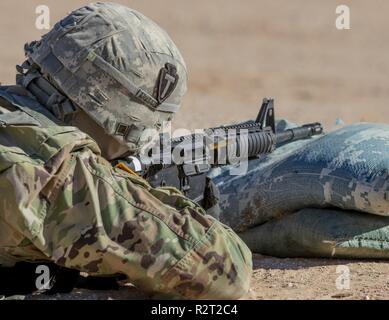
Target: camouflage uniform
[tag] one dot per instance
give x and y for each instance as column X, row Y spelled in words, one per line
column 65, row 203
column 113, row 73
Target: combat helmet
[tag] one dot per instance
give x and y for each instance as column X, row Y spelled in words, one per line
column 114, row 65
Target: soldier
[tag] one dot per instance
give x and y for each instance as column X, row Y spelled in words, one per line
column 87, row 92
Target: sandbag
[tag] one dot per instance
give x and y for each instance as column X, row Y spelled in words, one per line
column 346, row 169
column 322, row 233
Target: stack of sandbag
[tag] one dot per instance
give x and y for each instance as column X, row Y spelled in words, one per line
column 327, row 196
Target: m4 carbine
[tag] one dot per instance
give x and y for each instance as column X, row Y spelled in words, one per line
column 185, row 161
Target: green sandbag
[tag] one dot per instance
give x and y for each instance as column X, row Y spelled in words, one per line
column 322, row 233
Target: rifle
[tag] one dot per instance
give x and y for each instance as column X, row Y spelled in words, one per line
column 185, row 161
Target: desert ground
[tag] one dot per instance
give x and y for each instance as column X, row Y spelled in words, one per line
column 238, row 52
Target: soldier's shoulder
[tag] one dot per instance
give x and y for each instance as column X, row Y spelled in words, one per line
column 17, row 98
column 32, row 129
column 10, row 94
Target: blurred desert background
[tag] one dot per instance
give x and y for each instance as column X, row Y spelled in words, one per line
column 238, row 52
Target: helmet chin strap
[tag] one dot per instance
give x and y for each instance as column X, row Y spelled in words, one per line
column 30, row 77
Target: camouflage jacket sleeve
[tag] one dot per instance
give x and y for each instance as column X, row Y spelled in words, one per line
column 105, row 221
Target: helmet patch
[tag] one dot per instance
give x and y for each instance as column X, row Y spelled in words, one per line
column 167, row 81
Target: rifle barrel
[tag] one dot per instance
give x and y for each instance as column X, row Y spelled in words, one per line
column 303, row 132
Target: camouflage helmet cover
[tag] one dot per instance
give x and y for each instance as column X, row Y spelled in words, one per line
column 117, row 65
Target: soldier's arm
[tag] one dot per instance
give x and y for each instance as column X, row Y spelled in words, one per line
column 106, row 221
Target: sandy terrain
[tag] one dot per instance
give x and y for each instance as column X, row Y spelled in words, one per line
column 240, row 51
column 286, row 279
